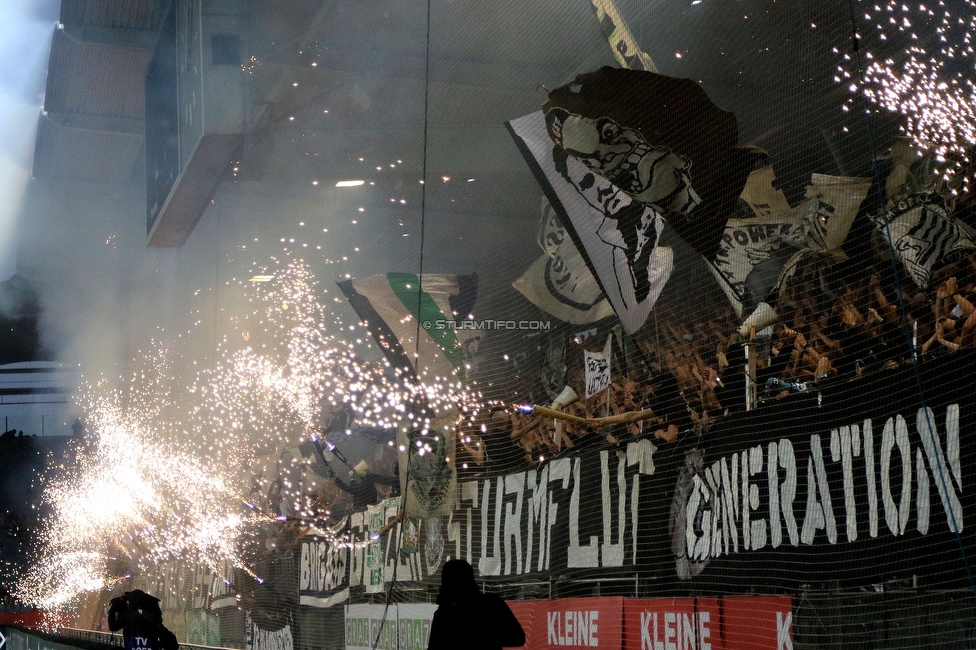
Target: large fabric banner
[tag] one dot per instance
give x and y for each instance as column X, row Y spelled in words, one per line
column 845, row 483
column 223, row 590
column 876, row 473
column 258, row 638
column 322, row 573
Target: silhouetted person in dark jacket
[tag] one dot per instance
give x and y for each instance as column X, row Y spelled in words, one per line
column 466, row 618
column 137, row 614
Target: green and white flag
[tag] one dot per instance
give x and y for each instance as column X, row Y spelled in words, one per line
column 390, row 305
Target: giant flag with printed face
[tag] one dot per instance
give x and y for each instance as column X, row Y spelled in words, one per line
column 661, row 141
column 615, row 235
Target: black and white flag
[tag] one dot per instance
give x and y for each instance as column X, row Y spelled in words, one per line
column 755, row 252
column 616, row 236
column 919, row 214
column 559, row 282
column 749, row 257
column 597, row 369
column 661, row 141
column 924, row 235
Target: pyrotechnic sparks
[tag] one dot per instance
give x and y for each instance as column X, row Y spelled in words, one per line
column 184, row 474
column 928, row 80
column 134, row 495
column 293, row 370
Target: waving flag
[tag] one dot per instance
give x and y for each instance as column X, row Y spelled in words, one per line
column 755, row 251
column 616, row 235
column 925, row 235
column 559, row 282
column 390, row 306
column 660, row 140
column 920, row 216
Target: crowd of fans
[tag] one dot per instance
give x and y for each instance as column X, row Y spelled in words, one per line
column 831, row 326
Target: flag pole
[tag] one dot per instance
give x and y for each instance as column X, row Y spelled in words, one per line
column 621, row 418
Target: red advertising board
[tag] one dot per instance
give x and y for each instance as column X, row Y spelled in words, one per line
column 756, row 622
column 525, row 611
column 27, row 619
column 672, row 624
column 729, row 623
column 571, row 623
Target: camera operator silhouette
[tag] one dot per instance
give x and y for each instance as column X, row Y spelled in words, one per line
column 137, row 614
